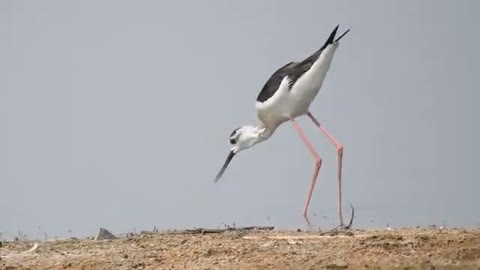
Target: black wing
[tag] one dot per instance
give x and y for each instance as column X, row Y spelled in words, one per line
column 273, row 83
column 294, row 70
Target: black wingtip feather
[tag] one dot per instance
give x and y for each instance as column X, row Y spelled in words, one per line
column 332, row 36
column 340, row 37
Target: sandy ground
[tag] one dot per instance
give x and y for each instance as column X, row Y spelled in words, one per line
column 371, row 249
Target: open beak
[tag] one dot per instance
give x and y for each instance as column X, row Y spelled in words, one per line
column 225, row 165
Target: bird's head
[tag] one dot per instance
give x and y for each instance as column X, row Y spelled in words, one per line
column 240, row 139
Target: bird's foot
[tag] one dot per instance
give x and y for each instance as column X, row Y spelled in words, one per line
column 342, row 228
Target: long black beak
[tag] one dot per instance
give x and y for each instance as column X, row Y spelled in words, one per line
column 224, row 167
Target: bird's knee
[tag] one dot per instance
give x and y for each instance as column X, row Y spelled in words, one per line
column 340, row 150
column 318, row 161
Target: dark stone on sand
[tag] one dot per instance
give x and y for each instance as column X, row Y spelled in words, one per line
column 104, row 234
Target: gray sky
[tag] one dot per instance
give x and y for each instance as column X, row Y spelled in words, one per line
column 116, row 114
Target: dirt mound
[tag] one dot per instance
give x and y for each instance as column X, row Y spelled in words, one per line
column 254, row 249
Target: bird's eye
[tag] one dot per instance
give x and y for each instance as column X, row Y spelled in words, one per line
column 233, row 140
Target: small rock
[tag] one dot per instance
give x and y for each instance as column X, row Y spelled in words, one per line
column 104, row 234
column 340, row 265
column 293, row 242
column 209, row 252
column 268, row 244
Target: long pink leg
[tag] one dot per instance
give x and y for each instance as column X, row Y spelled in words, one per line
column 318, row 163
column 339, row 147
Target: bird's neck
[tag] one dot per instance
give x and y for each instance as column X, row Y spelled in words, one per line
column 264, row 132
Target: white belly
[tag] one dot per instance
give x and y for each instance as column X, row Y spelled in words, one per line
column 287, row 104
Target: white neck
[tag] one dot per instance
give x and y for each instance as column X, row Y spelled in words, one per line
column 264, row 133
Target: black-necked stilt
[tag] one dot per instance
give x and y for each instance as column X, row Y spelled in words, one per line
column 285, row 96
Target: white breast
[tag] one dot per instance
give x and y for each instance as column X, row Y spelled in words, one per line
column 277, row 108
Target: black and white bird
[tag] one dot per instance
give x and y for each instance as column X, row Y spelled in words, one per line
column 287, row 95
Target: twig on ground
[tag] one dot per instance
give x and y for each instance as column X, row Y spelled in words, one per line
column 206, row 230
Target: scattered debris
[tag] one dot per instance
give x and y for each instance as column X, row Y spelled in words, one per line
column 268, row 244
column 251, row 228
column 303, row 237
column 148, row 232
column 104, row 234
column 32, row 249
column 209, row 231
column 293, row 242
column 340, row 265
